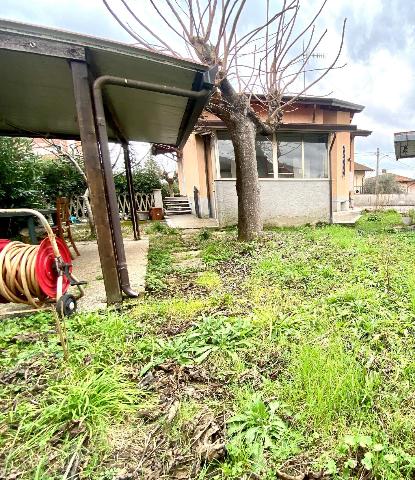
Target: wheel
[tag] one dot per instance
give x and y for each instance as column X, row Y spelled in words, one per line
column 66, row 305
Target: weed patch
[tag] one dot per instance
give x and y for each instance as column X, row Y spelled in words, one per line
column 292, row 354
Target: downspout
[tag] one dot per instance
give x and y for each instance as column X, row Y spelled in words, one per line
column 331, row 181
column 208, row 186
column 106, row 158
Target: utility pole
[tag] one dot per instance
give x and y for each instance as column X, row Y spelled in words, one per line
column 377, row 180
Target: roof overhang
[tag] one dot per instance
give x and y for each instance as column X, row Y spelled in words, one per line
column 327, row 102
column 37, row 90
column 300, row 127
column 333, row 103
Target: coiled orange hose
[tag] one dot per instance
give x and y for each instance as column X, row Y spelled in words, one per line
column 18, row 282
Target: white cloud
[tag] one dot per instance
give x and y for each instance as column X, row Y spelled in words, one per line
column 378, row 51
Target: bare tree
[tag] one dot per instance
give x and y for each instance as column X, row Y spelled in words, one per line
column 262, row 65
column 73, row 155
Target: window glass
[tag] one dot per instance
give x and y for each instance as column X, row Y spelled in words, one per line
column 315, row 156
column 263, row 146
column 289, row 154
column 226, row 156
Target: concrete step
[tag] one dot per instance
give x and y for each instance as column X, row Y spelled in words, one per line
column 182, row 202
column 178, row 209
column 176, row 206
column 169, row 213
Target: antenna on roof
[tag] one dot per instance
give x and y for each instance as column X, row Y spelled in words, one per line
column 305, row 55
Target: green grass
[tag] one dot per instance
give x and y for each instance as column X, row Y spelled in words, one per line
column 295, row 352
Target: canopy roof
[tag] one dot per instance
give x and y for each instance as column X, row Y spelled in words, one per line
column 37, row 96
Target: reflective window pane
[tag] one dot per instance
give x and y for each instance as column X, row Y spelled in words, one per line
column 226, row 156
column 264, row 157
column 315, row 156
column 289, row 154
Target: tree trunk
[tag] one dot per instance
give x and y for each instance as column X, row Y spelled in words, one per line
column 91, row 220
column 243, row 134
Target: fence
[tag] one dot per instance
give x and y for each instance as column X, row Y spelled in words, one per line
column 143, row 202
column 385, row 200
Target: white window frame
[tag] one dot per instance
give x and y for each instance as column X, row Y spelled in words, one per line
column 275, row 160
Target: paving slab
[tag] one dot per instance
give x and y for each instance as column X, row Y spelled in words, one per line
column 348, row 217
column 188, row 221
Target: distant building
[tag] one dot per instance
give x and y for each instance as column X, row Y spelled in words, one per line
column 359, row 176
column 408, row 184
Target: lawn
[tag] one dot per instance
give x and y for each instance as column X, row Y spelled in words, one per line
column 288, row 357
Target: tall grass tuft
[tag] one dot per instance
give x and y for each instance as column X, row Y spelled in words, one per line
column 328, row 384
column 80, row 407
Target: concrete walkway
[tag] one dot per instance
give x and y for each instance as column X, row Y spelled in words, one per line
column 87, row 267
column 188, row 221
column 348, row 217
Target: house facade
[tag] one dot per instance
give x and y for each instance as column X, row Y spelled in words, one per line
column 306, row 169
column 360, row 171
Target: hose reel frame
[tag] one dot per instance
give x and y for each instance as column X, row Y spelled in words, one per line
column 38, row 274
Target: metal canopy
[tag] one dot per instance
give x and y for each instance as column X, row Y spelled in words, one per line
column 64, row 85
column 36, row 87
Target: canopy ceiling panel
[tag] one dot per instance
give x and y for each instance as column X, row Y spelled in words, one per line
column 36, row 95
column 36, row 91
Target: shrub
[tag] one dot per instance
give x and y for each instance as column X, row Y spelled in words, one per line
column 20, row 179
column 387, row 184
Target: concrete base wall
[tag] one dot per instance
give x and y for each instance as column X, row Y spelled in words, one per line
column 283, row 202
column 341, row 204
column 203, row 206
column 389, row 200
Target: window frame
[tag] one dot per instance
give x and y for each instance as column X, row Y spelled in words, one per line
column 275, row 160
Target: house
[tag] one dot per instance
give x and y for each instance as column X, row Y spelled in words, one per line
column 359, row 176
column 306, row 169
column 407, row 184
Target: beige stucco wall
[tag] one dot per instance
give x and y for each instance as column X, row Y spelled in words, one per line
column 341, row 181
column 359, row 177
column 192, row 173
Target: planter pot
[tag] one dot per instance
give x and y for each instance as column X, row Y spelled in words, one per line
column 156, row 213
column 143, row 215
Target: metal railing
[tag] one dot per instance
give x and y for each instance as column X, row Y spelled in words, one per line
column 143, row 202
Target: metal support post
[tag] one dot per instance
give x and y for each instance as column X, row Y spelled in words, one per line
column 96, row 184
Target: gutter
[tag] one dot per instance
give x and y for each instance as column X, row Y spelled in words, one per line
column 99, row 83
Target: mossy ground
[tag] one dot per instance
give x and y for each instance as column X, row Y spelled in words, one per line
column 291, row 353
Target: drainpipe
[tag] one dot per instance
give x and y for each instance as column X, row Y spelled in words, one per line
column 106, row 158
column 206, row 145
column 331, row 180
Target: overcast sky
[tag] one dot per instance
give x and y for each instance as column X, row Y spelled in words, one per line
column 378, row 50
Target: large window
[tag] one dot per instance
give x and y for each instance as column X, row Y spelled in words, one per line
column 315, row 156
column 287, row 155
column 226, row 156
column 264, row 157
column 290, row 156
